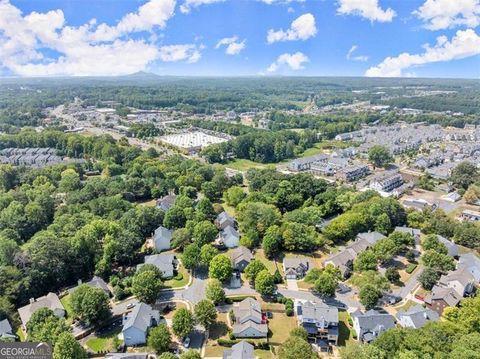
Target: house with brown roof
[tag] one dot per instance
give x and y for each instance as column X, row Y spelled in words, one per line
column 442, row 297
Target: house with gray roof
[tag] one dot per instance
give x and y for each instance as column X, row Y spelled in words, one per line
column 162, row 238
column 416, row 317
column 50, row 301
column 371, row 324
column 166, row 202
column 6, row 331
column 241, row 257
column 442, row 297
column 166, row 263
column 95, row 282
column 414, row 232
column 137, row 322
column 451, row 247
column 241, row 350
column 460, row 279
column 249, row 320
column 229, row 237
column 224, row 220
column 344, row 259
column 471, row 263
column 320, row 321
column 295, row 268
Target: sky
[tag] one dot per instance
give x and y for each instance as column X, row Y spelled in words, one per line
column 378, row 38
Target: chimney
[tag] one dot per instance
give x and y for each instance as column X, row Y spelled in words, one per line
column 32, row 300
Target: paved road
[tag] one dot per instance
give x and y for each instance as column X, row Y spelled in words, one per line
column 341, row 300
column 409, row 284
column 120, row 308
column 193, row 294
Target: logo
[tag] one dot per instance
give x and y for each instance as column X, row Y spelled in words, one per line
column 25, row 351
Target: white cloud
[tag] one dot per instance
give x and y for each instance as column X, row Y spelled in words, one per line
column 233, row 46
column 89, row 49
column 464, row 44
column 301, row 28
column 189, row 4
column 355, row 58
column 294, row 61
column 174, row 53
column 369, row 9
column 444, row 14
column 275, row 2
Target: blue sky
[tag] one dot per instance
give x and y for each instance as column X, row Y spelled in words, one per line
column 422, row 38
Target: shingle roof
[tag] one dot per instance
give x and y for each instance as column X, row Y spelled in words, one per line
column 224, row 217
column 50, row 301
column 451, row 247
column 164, row 262
column 241, row 253
column 6, row 329
column 318, row 312
column 241, row 350
column 373, row 321
column 449, row 295
column 419, row 315
column 141, row 317
column 296, row 262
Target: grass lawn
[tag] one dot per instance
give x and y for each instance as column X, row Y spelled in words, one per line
column 408, row 304
column 304, row 285
column 150, row 203
column 244, row 165
column 67, row 304
column 345, row 333
column 174, row 283
column 20, row 334
column 263, row 354
column 170, row 314
column 217, row 331
column 103, row 342
column 260, row 255
column 279, row 327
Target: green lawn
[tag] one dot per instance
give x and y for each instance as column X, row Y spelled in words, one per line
column 260, row 255
column 345, row 333
column 407, row 305
column 244, row 165
column 67, row 304
column 104, row 342
column 20, row 334
column 174, row 283
column 279, row 327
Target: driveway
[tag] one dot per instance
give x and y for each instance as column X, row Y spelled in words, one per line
column 120, row 308
column 410, row 284
column 292, row 284
column 193, row 294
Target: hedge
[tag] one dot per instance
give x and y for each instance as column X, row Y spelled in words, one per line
column 230, row 342
column 410, row 268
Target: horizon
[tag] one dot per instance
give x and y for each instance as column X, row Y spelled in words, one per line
column 252, row 38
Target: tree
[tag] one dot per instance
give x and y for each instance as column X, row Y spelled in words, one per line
column 272, row 242
column 392, row 275
column 205, row 313
column 299, row 332
column 220, row 268
column 252, row 269
column 472, row 194
column 67, row 348
column 379, row 156
column 402, row 240
column 383, row 224
column 467, row 234
column 369, row 296
column 299, row 237
column 326, row 284
column 257, row 216
column 365, row 261
column 356, row 350
column 428, row 278
column 181, row 238
column 191, row 256
column 8, row 249
column 431, row 242
column 234, row 195
column 182, row 322
column 146, row 285
column 464, row 174
column 214, row 291
column 174, row 218
column 44, row 326
column 207, row 253
column 265, row 283
column 204, row 232
column 91, row 305
column 191, row 354
column 294, row 348
column 167, row 355
column 159, row 338
column 438, row 261
column 385, row 249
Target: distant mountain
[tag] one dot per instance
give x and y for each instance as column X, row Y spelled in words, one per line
column 140, row 75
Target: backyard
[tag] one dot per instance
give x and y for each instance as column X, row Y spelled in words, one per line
column 105, row 342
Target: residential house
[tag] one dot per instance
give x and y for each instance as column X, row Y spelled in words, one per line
column 344, row 259
column 387, row 182
column 241, row 256
column 95, row 282
column 320, row 321
column 469, row 215
column 137, row 322
column 6, row 331
column 166, row 263
column 352, row 173
column 250, row 322
column 241, row 350
column 303, row 164
column 295, row 268
column 442, row 297
column 162, row 238
column 416, row 317
column 460, row 279
column 166, row 202
column 50, row 301
column 414, row 232
column 371, row 324
column 471, row 263
column 224, row 220
column 418, row 204
column 229, row 237
column 451, row 247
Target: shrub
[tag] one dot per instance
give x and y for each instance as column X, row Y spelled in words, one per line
column 410, row 268
column 289, row 312
column 179, row 276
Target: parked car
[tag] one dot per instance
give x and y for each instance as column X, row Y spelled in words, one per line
column 131, row 305
column 186, row 342
column 269, row 315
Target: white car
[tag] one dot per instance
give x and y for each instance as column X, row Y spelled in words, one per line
column 130, row 305
column 186, row 342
